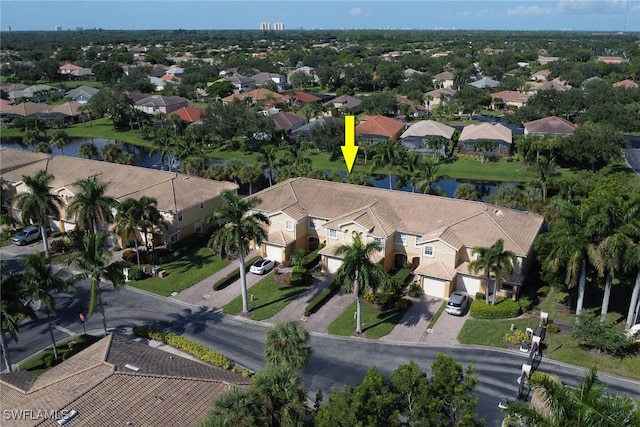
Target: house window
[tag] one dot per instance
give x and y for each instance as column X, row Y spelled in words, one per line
column 179, row 216
column 333, row 234
column 378, row 240
column 198, row 227
column 428, row 250
column 313, row 223
column 401, row 239
column 288, row 225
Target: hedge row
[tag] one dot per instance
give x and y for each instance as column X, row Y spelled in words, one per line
column 234, row 275
column 195, row 349
column 321, row 299
column 402, row 275
column 312, row 258
column 505, row 308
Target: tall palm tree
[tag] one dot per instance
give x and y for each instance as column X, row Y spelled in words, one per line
column 268, row 158
column 127, row 220
column 38, row 203
column 358, row 273
column 585, row 405
column 88, row 150
column 296, row 158
column 287, row 344
column 283, row 396
column 632, row 261
column 412, row 169
column 91, row 206
column 95, row 260
column 546, row 169
column 571, row 239
column 12, row 311
column 237, row 225
column 41, row 281
column 493, row 261
column 430, row 174
column 58, row 139
column 389, row 154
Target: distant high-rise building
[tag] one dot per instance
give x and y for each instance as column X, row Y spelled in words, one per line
column 278, row 26
column 265, row 26
column 7, row 28
column 57, row 28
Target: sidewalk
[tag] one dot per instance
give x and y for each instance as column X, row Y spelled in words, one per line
column 202, row 294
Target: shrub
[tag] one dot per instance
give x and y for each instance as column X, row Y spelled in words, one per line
column 195, row 349
column 402, row 305
column 607, row 338
column 136, row 273
column 479, row 296
column 407, row 265
column 58, row 234
column 543, row 291
column 504, row 309
column 60, row 245
column 321, row 299
column 415, row 290
column 516, row 337
column 299, row 277
column 525, row 303
column 130, row 256
column 402, row 275
column 553, row 328
column 234, row 275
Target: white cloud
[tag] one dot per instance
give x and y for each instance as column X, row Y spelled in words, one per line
column 530, row 11
column 594, row 7
column 356, row 11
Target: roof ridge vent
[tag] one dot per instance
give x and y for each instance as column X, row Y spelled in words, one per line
column 132, row 367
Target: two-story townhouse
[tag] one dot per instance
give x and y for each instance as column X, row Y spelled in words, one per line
column 436, row 235
column 184, row 201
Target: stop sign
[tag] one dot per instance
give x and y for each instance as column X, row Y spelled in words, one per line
column 81, row 316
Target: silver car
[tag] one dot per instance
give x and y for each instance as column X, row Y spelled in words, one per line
column 262, row 266
column 457, row 304
column 28, row 235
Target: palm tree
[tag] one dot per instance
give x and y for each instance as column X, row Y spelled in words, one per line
column 287, row 344
column 358, row 273
column 632, row 261
column 238, row 407
column 237, row 225
column 58, row 139
column 268, row 158
column 150, row 218
column 38, row 204
column 12, row 311
column 585, row 405
column 88, row 150
column 493, row 261
column 282, row 395
column 430, row 175
column 296, row 159
column 91, row 206
column 389, row 154
column 484, row 146
column 95, row 259
column 412, row 169
column 40, row 281
column 127, row 220
column 546, row 169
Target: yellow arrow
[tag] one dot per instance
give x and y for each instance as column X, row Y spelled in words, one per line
column 350, row 149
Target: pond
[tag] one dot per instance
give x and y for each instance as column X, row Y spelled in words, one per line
column 145, row 158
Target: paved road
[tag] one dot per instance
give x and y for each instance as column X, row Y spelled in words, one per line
column 336, row 361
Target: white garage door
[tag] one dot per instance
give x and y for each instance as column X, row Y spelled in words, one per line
column 274, row 253
column 333, row 264
column 468, row 284
column 434, row 288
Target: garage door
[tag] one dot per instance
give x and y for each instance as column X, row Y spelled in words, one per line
column 468, row 284
column 434, row 288
column 333, row 264
column 274, row 253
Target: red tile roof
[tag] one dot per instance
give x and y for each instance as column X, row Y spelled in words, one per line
column 627, row 84
column 189, row 114
column 286, row 121
column 379, row 125
column 550, row 125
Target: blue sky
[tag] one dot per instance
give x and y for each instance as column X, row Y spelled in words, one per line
column 577, row 15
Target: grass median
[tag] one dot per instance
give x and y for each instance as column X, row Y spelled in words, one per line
column 184, row 272
column 375, row 323
column 266, row 298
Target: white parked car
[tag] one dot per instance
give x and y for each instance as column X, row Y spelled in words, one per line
column 262, row 266
column 457, row 304
column 28, row 235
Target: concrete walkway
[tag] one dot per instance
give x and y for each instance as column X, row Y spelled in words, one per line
column 202, row 294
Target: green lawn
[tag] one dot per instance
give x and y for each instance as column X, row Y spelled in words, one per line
column 490, row 332
column 44, row 360
column 266, row 298
column 185, row 272
column 375, row 323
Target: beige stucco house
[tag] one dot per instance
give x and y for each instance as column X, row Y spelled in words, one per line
column 435, row 234
column 183, row 200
